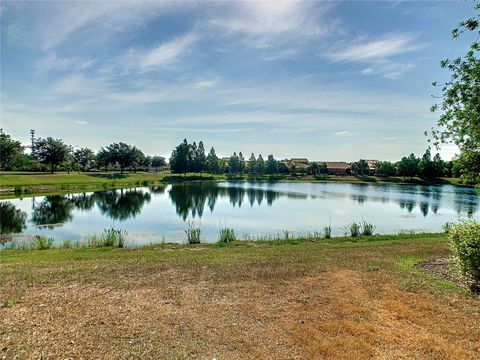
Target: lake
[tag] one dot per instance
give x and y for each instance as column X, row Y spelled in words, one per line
column 161, row 213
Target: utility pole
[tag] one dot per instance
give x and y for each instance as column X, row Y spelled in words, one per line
column 32, row 138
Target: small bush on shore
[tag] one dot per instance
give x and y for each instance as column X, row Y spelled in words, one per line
column 465, row 243
column 226, row 235
column 109, row 238
column 353, row 229
column 367, row 228
column 42, row 242
column 327, row 230
column 193, row 233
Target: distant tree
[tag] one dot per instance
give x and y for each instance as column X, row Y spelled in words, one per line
column 439, row 166
column 426, row 167
column 283, row 168
column 385, row 168
column 147, row 162
column 124, row 155
column 104, row 158
column 408, row 166
column 322, row 167
column 360, row 168
column 272, row 165
column 158, row 162
column 260, row 165
column 180, row 160
column 460, row 102
column 252, row 164
column 313, row 168
column 241, row 163
column 52, row 152
column 11, row 152
column 138, row 158
column 200, row 160
column 84, row 157
column 212, row 162
column 234, row 164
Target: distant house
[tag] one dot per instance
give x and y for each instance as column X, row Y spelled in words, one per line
column 372, row 166
column 338, row 168
column 296, row 161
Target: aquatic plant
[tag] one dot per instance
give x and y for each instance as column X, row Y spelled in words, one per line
column 193, row 233
column 42, row 242
column 367, row 228
column 327, row 231
column 353, row 229
column 226, row 235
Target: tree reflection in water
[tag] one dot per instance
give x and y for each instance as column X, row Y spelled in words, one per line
column 190, row 199
column 121, row 204
column 12, row 220
column 52, row 211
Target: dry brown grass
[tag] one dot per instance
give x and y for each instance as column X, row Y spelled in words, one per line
column 282, row 302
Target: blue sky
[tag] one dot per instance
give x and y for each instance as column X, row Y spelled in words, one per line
column 323, row 80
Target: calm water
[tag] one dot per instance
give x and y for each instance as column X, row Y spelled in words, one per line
column 161, row 213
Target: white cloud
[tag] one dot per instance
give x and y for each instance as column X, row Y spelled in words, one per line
column 53, row 62
column 343, row 133
column 388, row 69
column 389, row 45
column 167, row 52
column 80, row 122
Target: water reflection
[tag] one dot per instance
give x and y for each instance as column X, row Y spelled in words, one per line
column 53, row 211
column 12, row 220
column 190, row 199
column 121, row 204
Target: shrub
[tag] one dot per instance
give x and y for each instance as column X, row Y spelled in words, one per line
column 327, row 231
column 226, row 235
column 448, row 226
column 193, row 233
column 465, row 243
column 42, row 242
column 110, row 237
column 367, row 228
column 353, row 229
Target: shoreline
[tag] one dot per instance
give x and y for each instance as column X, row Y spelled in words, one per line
column 16, row 185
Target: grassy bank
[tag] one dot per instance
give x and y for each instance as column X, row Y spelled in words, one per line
column 300, row 298
column 16, row 183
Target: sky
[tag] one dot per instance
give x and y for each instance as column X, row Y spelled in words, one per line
column 329, row 81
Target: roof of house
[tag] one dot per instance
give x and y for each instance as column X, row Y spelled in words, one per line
column 341, row 165
column 299, row 160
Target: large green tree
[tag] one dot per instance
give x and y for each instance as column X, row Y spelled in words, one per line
column 158, row 162
column 459, row 121
column 84, row 157
column 11, row 152
column 180, row 160
column 212, row 162
column 52, row 152
column 408, row 166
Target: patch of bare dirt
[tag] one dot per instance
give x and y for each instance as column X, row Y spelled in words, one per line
column 446, row 269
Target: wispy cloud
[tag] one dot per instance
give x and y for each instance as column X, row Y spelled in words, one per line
column 166, row 52
column 342, row 133
column 389, row 45
column 379, row 54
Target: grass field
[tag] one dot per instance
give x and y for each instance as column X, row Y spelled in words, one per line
column 44, row 183
column 278, row 300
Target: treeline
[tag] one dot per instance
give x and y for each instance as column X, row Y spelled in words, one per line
column 188, row 157
column 411, row 166
column 49, row 154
